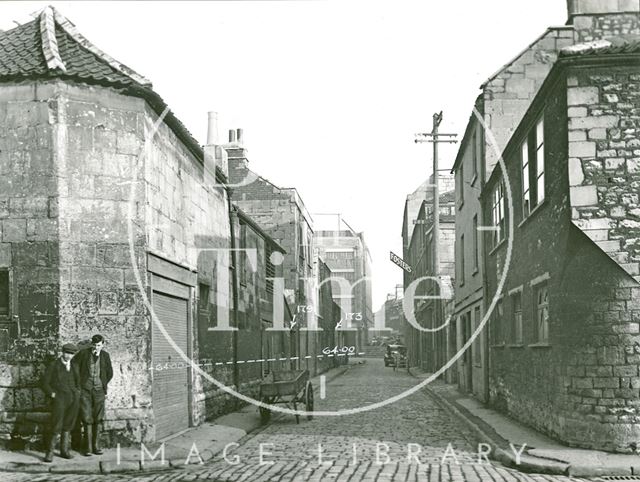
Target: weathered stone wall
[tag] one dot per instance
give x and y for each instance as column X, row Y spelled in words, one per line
column 96, row 138
column 582, row 385
column 604, row 160
column 599, row 25
column 281, row 214
column 74, row 179
column 29, row 252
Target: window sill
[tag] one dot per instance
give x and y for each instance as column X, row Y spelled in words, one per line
column 500, row 345
column 460, row 204
column 540, row 345
column 473, row 180
column 516, row 345
column 461, row 284
column 532, row 213
column 475, row 271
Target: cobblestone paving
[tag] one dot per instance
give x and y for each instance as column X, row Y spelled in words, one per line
column 412, row 439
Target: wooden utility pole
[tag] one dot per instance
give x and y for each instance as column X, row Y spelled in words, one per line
column 436, row 138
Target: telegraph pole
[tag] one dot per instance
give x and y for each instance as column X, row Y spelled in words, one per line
column 436, row 138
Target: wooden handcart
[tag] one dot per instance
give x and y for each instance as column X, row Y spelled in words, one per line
column 288, row 387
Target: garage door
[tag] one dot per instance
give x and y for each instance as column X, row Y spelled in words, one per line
column 170, row 375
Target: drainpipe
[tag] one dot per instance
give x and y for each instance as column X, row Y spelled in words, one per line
column 212, row 139
column 234, row 289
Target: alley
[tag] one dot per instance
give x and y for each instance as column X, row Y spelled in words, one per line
column 290, row 451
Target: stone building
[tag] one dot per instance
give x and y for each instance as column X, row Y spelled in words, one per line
column 506, row 98
column 347, row 255
column 469, row 288
column 571, row 298
column 283, row 215
column 113, row 220
column 328, row 316
column 429, row 349
column 253, row 348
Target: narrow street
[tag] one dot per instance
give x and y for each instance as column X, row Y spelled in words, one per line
column 290, row 450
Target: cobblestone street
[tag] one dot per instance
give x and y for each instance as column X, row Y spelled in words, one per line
column 412, row 429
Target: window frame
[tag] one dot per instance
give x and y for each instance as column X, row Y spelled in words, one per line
column 533, row 168
column 460, row 180
column 476, row 244
column 517, row 335
column 541, row 307
column 498, row 214
column 462, row 267
column 477, row 346
column 242, row 255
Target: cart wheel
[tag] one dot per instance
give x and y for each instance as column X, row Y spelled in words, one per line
column 309, row 399
column 265, row 413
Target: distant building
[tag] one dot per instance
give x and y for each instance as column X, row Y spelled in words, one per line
column 429, row 349
column 347, row 255
column 281, row 213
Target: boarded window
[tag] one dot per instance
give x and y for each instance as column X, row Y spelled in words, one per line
column 269, row 268
column 4, row 293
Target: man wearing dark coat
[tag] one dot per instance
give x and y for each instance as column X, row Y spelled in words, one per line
column 94, row 366
column 61, row 385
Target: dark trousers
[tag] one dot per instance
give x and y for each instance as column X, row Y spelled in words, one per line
column 64, row 410
column 92, row 406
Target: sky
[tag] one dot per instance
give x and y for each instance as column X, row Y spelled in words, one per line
column 329, row 92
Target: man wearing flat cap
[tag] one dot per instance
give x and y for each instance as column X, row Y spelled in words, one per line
column 94, row 366
column 61, row 385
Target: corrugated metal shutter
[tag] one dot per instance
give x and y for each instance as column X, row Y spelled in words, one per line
column 170, row 384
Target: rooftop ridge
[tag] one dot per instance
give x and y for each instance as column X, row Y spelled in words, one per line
column 49, row 40
column 75, row 34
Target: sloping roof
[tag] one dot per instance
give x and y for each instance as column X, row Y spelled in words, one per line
column 50, row 46
column 448, row 197
column 624, row 44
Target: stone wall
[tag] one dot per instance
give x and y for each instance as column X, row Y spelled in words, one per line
column 604, row 160
column 282, row 215
column 581, row 385
column 508, row 93
column 29, row 251
column 82, row 208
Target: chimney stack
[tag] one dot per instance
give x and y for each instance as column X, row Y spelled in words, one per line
column 596, row 7
column 236, row 152
column 598, row 19
column 212, row 129
column 215, row 156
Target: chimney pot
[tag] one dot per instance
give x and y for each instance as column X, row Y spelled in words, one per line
column 232, row 135
column 240, row 135
column 212, row 129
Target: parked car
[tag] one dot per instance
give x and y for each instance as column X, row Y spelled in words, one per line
column 396, row 355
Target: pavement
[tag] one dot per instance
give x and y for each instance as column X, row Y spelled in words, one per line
column 179, row 451
column 540, row 454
